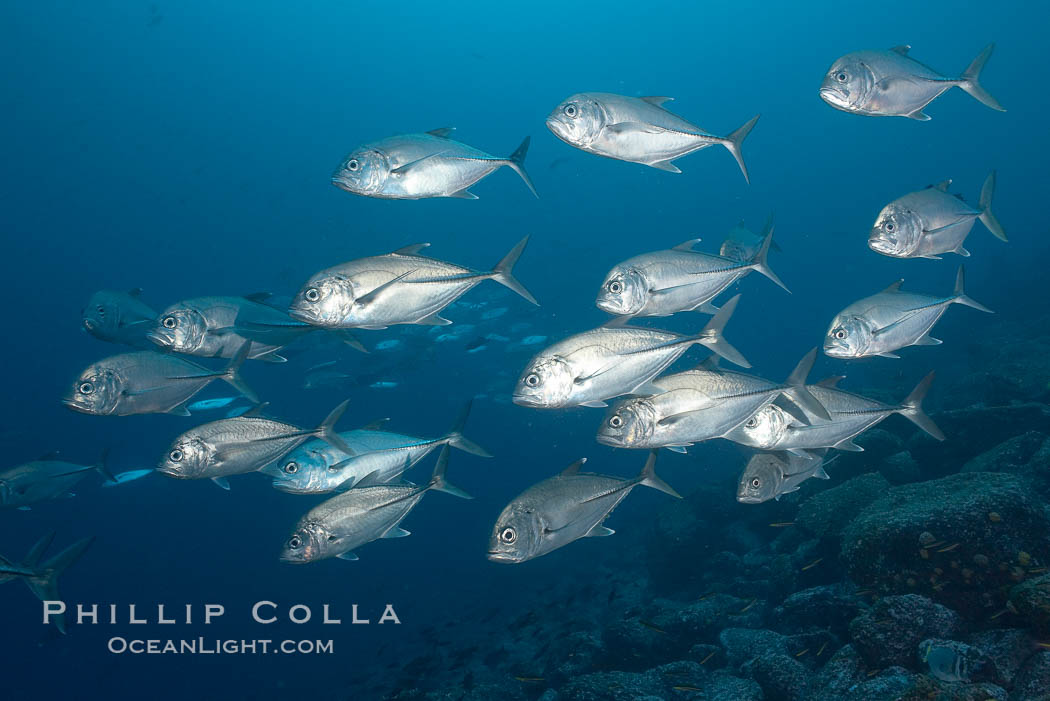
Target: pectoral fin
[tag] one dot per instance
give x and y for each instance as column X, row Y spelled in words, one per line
column 222, row 482
column 599, row 531
column 396, row 532
column 407, row 168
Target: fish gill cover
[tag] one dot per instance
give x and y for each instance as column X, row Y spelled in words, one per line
column 338, row 263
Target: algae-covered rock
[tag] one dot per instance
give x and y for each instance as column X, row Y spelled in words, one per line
column 890, row 631
column 824, row 515
column 1031, row 601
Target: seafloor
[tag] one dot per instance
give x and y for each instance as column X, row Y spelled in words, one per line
column 831, row 593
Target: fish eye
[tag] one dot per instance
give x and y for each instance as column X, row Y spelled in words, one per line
column 312, row 295
column 890, row 226
column 175, row 455
column 101, row 311
column 291, row 468
column 353, row 164
column 752, row 422
column 571, row 111
column 615, row 421
column 170, row 322
column 841, row 76
column 508, row 535
column 616, row 287
column 756, row 483
column 532, row 380
column 840, row 333
column 295, row 542
column 86, row 388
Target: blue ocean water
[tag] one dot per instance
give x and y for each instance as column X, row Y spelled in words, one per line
column 186, row 148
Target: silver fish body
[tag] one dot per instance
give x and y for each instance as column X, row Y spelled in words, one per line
column 40, row 480
column 662, row 283
column 562, row 509
column 402, row 287
column 774, row 429
column 891, row 83
column 930, row 222
column 741, row 243
column 590, row 367
column 147, row 382
column 769, row 477
column 891, row 320
column 209, row 327
column 416, row 166
column 359, row 516
column 119, row 317
column 701, row 404
column 636, row 129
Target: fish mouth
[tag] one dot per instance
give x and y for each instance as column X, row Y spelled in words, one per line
column 76, row 406
column 343, row 184
column 526, row 400
column 496, row 556
column 169, row 471
column 307, row 316
column 834, row 350
column 832, row 96
column 159, row 339
column 744, row 499
column 611, row 440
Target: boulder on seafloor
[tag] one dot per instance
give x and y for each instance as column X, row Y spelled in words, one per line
column 1033, row 679
column 1008, row 649
column 744, row 644
column 1027, row 454
column 830, row 606
column 1031, row 601
column 890, row 631
column 842, row 673
column 572, row 655
column 824, row 515
column 701, row 621
column 723, row 686
column 894, row 684
column 635, row 645
column 782, row 677
column 655, row 684
column 956, row 539
column 900, row 468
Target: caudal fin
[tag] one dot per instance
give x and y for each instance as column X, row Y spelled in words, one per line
column 758, row 261
column 970, row 80
column 326, row 431
column 438, row 482
column 960, row 293
column 911, row 407
column 232, row 373
column 45, row 583
column 734, row 141
column 797, row 391
column 502, row 272
column 648, row 477
column 986, row 216
column 712, row 337
column 32, row 558
column 456, row 439
column 516, row 161
column 102, row 466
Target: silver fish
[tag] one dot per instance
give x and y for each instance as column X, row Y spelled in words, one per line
column 893, row 84
column 773, row 428
column 402, row 287
column 891, row 320
column 317, row 467
column 590, row 367
column 42, row 578
column 44, row 479
column 564, row 508
column 741, row 243
column 119, row 317
column 415, row 166
column 930, row 222
column 680, row 279
column 128, row 476
column 242, row 444
column 768, row 477
column 359, row 516
column 701, row 404
column 636, row 129
column 147, row 382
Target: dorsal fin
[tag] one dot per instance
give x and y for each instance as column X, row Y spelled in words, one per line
column 657, row 100
column 573, row 469
column 832, row 382
column 135, row 292
column 410, row 250
column 443, row 132
column 903, row 49
column 686, row 245
column 369, row 480
column 710, row 363
column 895, row 287
column 256, row 411
column 375, row 425
column 258, row 296
column 942, row 186
column 617, row 322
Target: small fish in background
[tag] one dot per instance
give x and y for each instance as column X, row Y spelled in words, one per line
column 891, row 83
column 500, row 339
column 636, row 129
column 389, row 344
column 476, row 346
column 402, row 287
column 891, row 320
column 361, row 515
column 212, row 404
column 44, row 479
column 125, row 477
column 564, row 508
column 148, row 382
column 325, row 375
column 769, row 477
column 494, row 313
column 42, row 577
column 945, row 662
column 930, row 222
column 384, row 384
column 119, row 317
column 742, row 244
column 418, row 166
